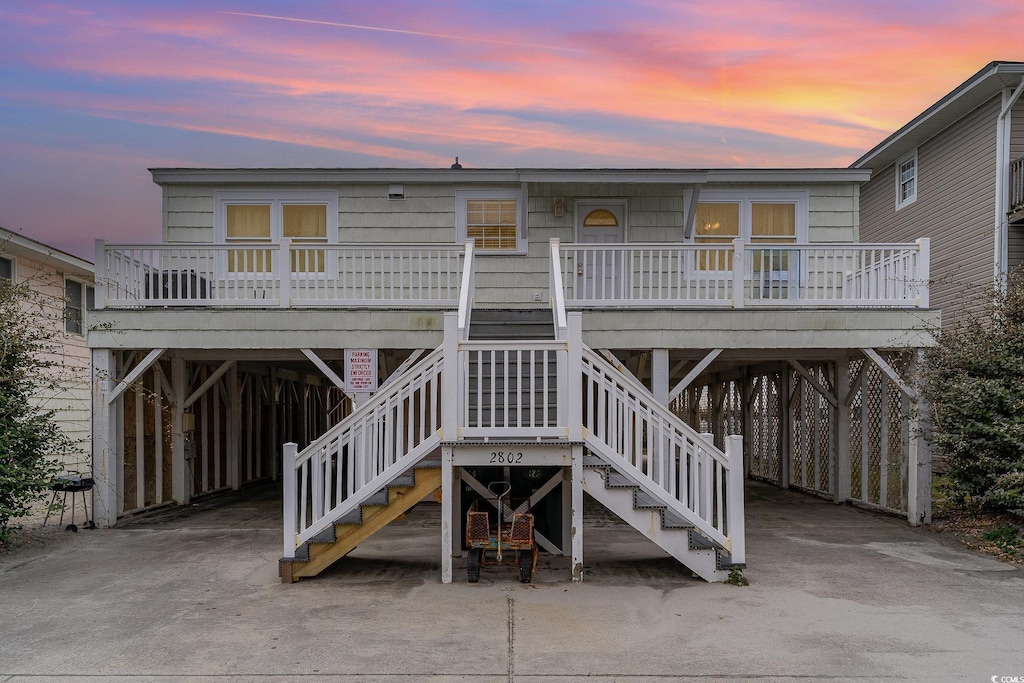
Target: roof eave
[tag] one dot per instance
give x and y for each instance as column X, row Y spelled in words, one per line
column 272, row 176
column 19, row 245
column 969, row 95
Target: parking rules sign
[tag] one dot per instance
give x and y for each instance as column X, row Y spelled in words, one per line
column 361, row 370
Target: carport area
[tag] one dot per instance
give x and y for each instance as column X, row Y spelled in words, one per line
column 193, row 593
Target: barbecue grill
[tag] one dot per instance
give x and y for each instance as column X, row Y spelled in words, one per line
column 67, row 484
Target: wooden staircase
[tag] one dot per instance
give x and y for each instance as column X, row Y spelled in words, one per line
column 671, row 532
column 388, row 505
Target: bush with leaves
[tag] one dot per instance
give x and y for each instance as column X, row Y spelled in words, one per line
column 974, row 380
column 30, row 440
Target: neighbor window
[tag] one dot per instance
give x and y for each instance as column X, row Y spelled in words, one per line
column 906, row 180
column 777, row 218
column 308, row 219
column 78, row 298
column 6, row 269
column 491, row 219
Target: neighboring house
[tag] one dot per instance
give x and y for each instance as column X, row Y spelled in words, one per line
column 956, row 174
column 652, row 337
column 64, row 286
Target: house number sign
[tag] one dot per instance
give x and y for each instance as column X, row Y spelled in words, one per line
column 534, row 455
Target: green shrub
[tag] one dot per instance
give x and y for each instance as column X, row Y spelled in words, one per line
column 29, row 439
column 974, row 380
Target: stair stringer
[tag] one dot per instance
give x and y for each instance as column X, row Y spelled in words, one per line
column 641, row 509
column 372, row 515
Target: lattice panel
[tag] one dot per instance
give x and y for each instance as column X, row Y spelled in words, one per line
column 813, row 447
column 879, row 437
column 765, row 429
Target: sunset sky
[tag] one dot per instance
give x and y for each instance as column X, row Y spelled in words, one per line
column 92, row 93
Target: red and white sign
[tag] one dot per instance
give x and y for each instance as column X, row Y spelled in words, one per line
column 361, row 370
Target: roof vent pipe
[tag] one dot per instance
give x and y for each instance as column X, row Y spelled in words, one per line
column 456, row 164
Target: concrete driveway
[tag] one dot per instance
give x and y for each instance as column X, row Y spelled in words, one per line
column 836, row 594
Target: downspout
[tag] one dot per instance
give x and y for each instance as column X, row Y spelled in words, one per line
column 1003, row 123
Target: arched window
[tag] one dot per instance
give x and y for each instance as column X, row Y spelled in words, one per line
column 600, row 217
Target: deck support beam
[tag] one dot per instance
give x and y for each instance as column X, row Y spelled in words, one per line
column 660, row 375
column 106, row 439
column 577, row 514
column 919, row 462
column 694, row 373
column 843, row 470
column 447, row 534
column 179, row 489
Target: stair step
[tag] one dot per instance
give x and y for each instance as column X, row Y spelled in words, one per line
column 353, row 517
column 701, row 549
column 531, row 323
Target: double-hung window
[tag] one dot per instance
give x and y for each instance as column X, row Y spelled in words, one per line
column 492, row 219
column 308, row 219
column 768, row 218
column 78, row 298
column 906, row 180
column 6, row 270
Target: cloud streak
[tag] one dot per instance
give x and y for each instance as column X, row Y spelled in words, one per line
column 766, row 83
column 424, row 34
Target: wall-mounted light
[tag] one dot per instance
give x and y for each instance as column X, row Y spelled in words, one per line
column 559, row 207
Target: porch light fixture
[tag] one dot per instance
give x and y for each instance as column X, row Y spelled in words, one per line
column 559, row 207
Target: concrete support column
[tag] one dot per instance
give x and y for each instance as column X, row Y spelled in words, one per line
column 106, row 440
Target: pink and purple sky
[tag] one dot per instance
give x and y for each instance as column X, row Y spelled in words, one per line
column 94, row 92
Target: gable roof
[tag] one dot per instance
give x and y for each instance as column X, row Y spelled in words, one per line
column 968, row 96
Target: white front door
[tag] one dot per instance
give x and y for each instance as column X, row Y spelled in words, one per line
column 600, row 272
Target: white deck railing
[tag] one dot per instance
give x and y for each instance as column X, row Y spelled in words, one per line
column 669, row 459
column 745, row 275
column 278, row 275
column 289, row 274
column 540, row 391
column 381, row 439
column 1017, row 185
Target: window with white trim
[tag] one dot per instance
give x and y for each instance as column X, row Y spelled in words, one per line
column 761, row 218
column 491, row 218
column 78, row 299
column 6, row 269
column 906, row 180
column 308, row 219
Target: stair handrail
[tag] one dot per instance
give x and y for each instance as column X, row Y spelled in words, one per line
column 557, row 292
column 466, row 290
column 315, row 490
column 711, row 492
